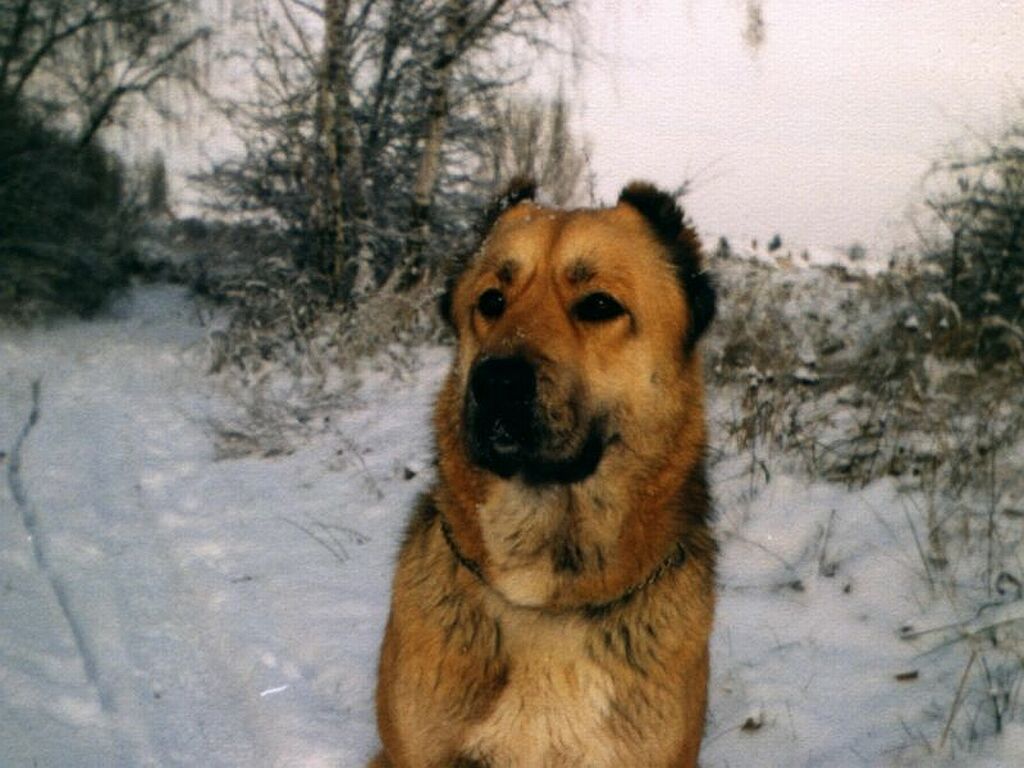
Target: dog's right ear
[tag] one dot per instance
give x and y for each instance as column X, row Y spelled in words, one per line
column 520, row 189
column 668, row 221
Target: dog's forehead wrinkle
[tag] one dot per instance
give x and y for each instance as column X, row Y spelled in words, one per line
column 507, row 270
column 581, row 270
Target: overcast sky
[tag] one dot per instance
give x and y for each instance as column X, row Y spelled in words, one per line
column 820, row 134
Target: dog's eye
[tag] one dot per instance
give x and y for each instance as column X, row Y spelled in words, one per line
column 491, row 303
column 597, row 308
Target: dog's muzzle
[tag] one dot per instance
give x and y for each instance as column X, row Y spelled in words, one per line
column 507, row 434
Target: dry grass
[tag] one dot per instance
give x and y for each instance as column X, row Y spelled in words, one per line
column 854, row 378
column 287, row 352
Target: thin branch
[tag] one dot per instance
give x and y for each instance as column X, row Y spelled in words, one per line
column 311, row 7
column 13, row 41
column 957, row 700
column 307, row 49
column 141, row 82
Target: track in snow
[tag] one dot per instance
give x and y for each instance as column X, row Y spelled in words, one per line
column 39, row 552
column 162, row 608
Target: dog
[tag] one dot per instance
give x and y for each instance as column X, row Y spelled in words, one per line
column 554, row 594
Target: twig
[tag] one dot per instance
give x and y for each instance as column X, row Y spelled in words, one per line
column 916, row 736
column 14, row 465
column 991, row 478
column 1002, row 614
column 920, row 549
column 337, row 551
column 993, row 693
column 826, row 569
column 327, row 537
column 957, row 700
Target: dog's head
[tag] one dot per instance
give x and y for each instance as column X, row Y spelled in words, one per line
column 577, row 334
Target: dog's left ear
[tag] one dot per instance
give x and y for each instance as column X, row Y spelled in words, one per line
column 668, row 221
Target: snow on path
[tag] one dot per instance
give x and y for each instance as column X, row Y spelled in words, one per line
column 161, row 608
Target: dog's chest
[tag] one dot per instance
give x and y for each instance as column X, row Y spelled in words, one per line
column 554, row 711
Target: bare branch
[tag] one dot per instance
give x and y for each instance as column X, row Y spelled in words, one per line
column 308, row 6
column 300, row 34
column 21, row 19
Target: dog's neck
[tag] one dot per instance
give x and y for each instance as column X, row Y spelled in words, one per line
column 580, row 546
column 674, row 559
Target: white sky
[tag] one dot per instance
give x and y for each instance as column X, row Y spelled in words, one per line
column 823, row 133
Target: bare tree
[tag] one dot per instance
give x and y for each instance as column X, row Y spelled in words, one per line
column 84, row 61
column 361, row 131
column 343, row 146
column 532, row 137
column 463, row 24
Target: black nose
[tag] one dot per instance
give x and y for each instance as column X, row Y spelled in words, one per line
column 500, row 382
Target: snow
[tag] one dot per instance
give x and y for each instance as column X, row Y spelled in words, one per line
column 807, row 626
column 163, row 605
column 188, row 611
column 794, row 256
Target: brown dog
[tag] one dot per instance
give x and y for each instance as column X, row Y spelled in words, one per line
column 554, row 595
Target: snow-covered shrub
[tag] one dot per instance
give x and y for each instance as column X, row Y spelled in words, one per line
column 854, row 378
column 976, row 204
column 839, row 366
column 856, row 252
column 282, row 344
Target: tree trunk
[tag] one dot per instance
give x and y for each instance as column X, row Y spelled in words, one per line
column 438, row 85
column 345, row 189
column 332, row 208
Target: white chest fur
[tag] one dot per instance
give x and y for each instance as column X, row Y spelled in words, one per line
column 554, row 709
column 520, row 525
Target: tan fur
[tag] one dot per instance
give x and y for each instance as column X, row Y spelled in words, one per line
column 529, row 663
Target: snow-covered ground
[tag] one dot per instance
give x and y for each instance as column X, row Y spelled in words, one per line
column 161, row 604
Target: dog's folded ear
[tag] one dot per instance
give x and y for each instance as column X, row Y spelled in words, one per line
column 668, row 221
column 520, row 189
column 659, row 208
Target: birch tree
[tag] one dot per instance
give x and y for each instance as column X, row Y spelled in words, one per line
column 343, row 146
column 365, row 124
